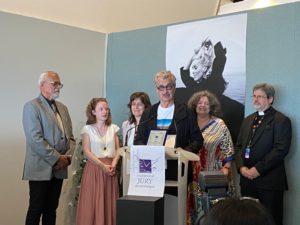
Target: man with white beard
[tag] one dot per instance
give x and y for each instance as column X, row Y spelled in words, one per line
column 49, row 145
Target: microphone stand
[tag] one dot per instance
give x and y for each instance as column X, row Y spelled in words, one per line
column 135, row 127
column 127, row 132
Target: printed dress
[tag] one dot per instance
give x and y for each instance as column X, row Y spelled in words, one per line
column 217, row 149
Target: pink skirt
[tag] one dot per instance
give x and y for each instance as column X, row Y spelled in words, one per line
column 97, row 197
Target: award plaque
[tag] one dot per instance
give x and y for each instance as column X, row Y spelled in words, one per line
column 157, row 137
column 170, row 141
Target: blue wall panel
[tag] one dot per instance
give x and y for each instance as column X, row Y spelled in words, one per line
column 273, row 55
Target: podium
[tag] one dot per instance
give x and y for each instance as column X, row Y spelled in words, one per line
column 178, row 154
column 136, row 210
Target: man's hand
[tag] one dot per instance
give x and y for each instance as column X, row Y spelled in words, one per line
column 63, row 162
column 249, row 173
column 254, row 173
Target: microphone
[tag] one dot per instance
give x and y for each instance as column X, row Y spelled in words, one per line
column 136, row 126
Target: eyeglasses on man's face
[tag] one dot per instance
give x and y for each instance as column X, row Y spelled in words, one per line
column 56, row 84
column 258, row 97
column 168, row 87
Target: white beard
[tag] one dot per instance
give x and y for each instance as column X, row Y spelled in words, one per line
column 55, row 95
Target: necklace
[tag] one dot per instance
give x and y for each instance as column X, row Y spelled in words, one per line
column 104, row 142
column 102, row 137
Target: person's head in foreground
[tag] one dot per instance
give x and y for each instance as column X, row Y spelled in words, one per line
column 238, row 212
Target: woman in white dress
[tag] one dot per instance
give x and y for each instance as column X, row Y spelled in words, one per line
column 99, row 186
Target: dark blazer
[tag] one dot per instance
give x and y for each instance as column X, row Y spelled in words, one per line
column 184, row 125
column 269, row 147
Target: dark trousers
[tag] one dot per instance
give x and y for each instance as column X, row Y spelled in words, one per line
column 271, row 199
column 43, row 201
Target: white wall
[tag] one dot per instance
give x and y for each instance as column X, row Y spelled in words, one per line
column 113, row 16
column 27, row 48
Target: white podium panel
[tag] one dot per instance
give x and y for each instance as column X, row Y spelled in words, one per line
column 183, row 157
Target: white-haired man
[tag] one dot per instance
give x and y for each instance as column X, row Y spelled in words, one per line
column 175, row 118
column 49, row 144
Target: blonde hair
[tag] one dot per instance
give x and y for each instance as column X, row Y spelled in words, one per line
column 165, row 75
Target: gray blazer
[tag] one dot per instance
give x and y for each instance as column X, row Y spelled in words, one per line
column 45, row 141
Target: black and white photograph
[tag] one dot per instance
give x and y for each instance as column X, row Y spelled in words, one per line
column 211, row 55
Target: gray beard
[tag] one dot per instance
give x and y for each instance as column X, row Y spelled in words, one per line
column 55, row 95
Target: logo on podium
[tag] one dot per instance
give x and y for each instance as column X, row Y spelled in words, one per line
column 147, row 171
column 145, row 166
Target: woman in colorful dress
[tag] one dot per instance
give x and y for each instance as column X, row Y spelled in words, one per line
column 99, row 186
column 216, row 153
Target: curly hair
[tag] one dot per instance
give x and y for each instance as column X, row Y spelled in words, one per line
column 91, row 118
column 214, row 104
column 144, row 97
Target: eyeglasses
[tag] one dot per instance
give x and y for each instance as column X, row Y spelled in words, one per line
column 56, row 84
column 137, row 104
column 258, row 96
column 168, row 87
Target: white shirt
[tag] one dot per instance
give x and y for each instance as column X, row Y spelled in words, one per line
column 165, row 116
column 102, row 146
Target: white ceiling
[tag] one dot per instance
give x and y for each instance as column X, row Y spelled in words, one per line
column 108, row 16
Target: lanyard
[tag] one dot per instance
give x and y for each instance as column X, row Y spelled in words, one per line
column 256, row 123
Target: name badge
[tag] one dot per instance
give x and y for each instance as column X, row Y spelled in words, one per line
column 247, row 153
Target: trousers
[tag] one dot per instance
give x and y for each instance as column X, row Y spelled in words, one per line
column 43, row 201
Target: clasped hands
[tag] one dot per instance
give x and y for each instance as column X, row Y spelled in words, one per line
column 109, row 169
column 63, row 162
column 251, row 173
